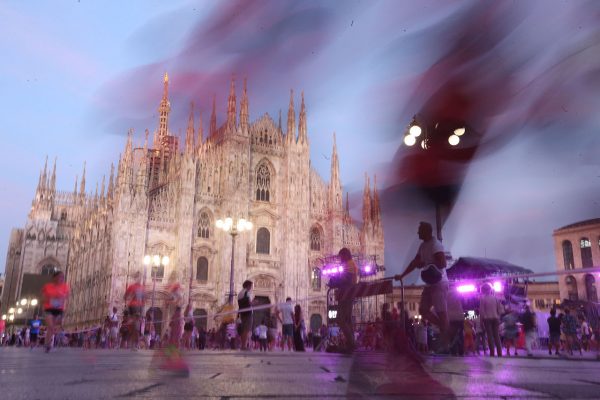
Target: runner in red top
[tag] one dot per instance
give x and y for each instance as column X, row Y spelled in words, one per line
column 134, row 296
column 55, row 295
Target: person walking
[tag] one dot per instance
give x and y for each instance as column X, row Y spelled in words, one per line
column 530, row 327
column 34, row 331
column 134, row 297
column 490, row 310
column 55, row 295
column 586, row 333
column 431, row 259
column 456, row 318
column 569, row 326
column 554, row 332
column 298, row 328
column 262, row 335
column 188, row 327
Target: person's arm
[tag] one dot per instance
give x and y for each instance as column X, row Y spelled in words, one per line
column 414, row 264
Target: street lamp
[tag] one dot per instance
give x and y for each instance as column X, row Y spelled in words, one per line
column 157, row 261
column 233, row 229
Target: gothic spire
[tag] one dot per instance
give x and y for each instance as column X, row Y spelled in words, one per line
column 53, row 178
column 111, row 183
column 376, row 210
column 335, row 164
column 231, row 106
column 82, row 186
column 189, row 134
column 45, row 175
column 200, row 130
column 164, row 109
column 367, row 201
column 291, row 121
column 102, row 187
column 75, row 188
column 244, row 110
column 302, row 135
column 279, row 126
column 213, row 118
column 335, row 186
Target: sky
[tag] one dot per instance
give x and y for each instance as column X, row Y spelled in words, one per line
column 524, row 77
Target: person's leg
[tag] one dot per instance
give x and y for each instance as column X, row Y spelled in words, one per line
column 528, row 342
column 487, row 324
column 496, row 333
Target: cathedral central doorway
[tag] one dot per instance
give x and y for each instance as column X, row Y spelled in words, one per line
column 263, row 314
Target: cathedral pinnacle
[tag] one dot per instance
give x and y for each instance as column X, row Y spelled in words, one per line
column 376, row 210
column 164, row 109
column 302, row 135
column 231, row 106
column 213, row 118
column 200, row 131
column 291, row 121
column 189, row 134
column 244, row 110
column 367, row 212
column 75, row 188
column 82, row 186
column 53, row 178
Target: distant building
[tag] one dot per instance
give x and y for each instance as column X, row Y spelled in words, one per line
column 577, row 247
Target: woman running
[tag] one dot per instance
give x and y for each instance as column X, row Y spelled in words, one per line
column 55, row 294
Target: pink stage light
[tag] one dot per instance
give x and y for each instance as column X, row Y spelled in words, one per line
column 468, row 288
column 368, row 269
column 340, row 269
column 497, row 286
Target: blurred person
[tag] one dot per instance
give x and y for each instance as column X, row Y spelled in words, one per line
column 188, row 327
column 55, row 295
column 422, row 337
column 225, row 316
column 34, row 331
column 586, row 333
column 490, row 310
column 529, row 322
column 431, row 259
column 553, row 332
column 387, row 328
column 134, row 298
column 569, row 327
column 456, row 317
column 480, row 337
column 511, row 330
column 245, row 301
column 298, row 327
column 469, row 345
column 346, row 299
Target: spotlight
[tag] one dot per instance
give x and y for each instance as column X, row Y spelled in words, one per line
column 467, row 288
column 409, row 140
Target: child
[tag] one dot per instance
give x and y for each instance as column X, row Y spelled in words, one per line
column 262, row 335
column 469, row 336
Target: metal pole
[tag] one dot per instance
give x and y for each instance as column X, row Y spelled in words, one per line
column 438, row 220
column 233, row 235
column 153, row 289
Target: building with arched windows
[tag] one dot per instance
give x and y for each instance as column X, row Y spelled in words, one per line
column 577, row 247
column 164, row 198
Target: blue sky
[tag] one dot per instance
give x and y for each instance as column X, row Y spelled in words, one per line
column 76, row 75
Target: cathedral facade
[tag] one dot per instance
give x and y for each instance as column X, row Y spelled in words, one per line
column 164, row 198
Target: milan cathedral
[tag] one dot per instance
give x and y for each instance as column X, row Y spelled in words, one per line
column 165, row 197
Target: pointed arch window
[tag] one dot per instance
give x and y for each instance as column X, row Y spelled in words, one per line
column 586, row 252
column 263, row 183
column 315, row 239
column 263, row 241
column 202, row 269
column 567, row 249
column 48, row 269
column 204, row 225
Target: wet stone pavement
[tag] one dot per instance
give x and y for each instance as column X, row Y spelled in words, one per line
column 100, row 374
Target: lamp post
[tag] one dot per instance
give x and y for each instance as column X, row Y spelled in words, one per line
column 233, row 229
column 157, row 261
column 438, row 141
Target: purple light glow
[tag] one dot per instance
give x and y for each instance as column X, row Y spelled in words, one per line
column 468, row 288
column 368, row 269
column 497, row 287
